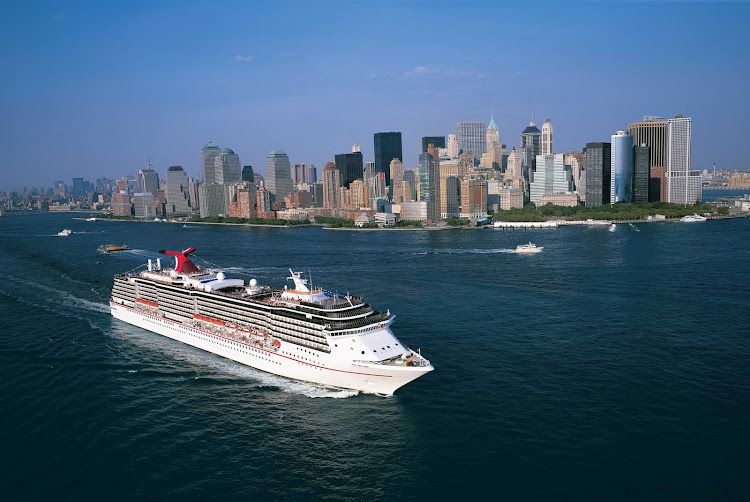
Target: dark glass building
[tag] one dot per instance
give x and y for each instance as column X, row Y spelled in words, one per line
column 387, row 148
column 598, row 173
column 247, row 174
column 641, row 171
column 351, row 167
column 438, row 141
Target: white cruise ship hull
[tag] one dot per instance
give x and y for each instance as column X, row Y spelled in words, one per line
column 334, row 369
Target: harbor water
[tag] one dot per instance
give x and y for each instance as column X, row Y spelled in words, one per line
column 611, row 366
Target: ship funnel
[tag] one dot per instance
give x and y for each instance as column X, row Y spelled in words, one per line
column 158, row 263
column 150, row 267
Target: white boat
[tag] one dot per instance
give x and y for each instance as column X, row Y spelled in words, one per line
column 65, row 232
column 329, row 338
column 691, row 218
column 91, row 219
column 529, row 248
column 612, row 227
column 634, row 227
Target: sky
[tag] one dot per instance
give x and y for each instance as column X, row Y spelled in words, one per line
column 95, row 89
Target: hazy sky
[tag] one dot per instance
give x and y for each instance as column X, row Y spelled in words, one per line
column 93, row 89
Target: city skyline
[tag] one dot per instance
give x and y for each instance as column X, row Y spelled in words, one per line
column 150, row 90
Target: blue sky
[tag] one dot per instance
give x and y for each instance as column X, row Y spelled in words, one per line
column 93, row 89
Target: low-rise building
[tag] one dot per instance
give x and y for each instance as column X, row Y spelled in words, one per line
column 560, row 199
column 362, row 220
column 385, row 219
column 413, row 211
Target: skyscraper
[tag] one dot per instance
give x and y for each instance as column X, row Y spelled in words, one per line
column 331, row 185
column 248, row 174
column 598, row 173
column 148, row 181
column 452, row 146
column 176, row 191
column 492, row 157
column 312, row 174
column 550, row 177
column 351, row 167
column 227, row 167
column 514, row 174
column 472, row 137
column 299, row 174
column 531, row 144
column 683, row 184
column 429, row 185
column 397, row 178
column 208, row 155
column 621, row 181
column 79, row 187
column 410, row 185
column 652, row 132
column 452, row 200
column 278, row 179
column 387, row 147
column 438, row 141
column 493, row 133
column 641, row 172
column 547, row 137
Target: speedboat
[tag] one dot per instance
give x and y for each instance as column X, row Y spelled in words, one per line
column 693, row 218
column 612, row 227
column 65, row 232
column 113, row 248
column 634, row 227
column 529, row 248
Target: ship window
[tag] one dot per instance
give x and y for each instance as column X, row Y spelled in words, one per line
column 363, row 351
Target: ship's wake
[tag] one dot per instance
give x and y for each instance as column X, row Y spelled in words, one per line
column 468, row 251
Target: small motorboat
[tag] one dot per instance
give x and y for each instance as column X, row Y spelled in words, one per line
column 65, row 232
column 692, row 218
column 529, row 248
column 113, row 248
column 634, row 227
column 612, row 227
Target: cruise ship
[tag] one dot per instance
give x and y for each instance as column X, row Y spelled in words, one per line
column 300, row 332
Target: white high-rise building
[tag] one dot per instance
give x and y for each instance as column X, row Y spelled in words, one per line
column 452, row 146
column 550, row 177
column 683, row 184
column 227, row 167
column 472, row 137
column 208, row 155
column 176, row 191
column 547, row 137
column 278, row 175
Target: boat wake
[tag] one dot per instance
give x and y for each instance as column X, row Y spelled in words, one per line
column 468, row 251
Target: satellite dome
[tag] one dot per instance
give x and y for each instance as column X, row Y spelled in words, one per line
column 253, row 282
column 221, row 276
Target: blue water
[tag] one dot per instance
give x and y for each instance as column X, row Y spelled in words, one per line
column 711, row 195
column 612, row 366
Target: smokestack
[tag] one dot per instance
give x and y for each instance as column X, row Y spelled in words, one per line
column 150, row 267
